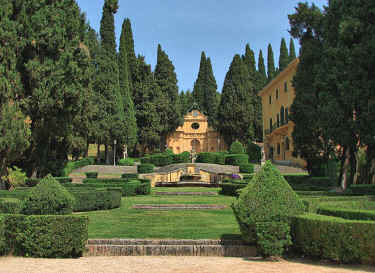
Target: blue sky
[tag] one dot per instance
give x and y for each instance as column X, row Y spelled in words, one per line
column 221, row 28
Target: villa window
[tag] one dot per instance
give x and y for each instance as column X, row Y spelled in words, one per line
column 278, row 148
column 278, row 120
column 277, row 93
column 270, row 125
column 286, row 87
column 282, row 115
column 287, row 144
column 270, row 99
column 286, row 115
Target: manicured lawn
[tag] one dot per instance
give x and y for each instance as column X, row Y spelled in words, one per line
column 126, row 222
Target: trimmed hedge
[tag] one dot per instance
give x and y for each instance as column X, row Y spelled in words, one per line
column 10, row 205
column 236, row 159
column 31, row 182
column 333, row 238
column 206, row 157
column 129, row 175
column 247, row 168
column 46, row 236
column 158, row 159
column 254, row 152
column 236, row 148
column 308, row 183
column 145, row 168
column 350, row 214
column 313, row 203
column 97, row 199
column 231, row 188
column 126, row 162
column 363, row 188
column 19, row 194
column 72, row 165
column 104, row 180
column 3, row 243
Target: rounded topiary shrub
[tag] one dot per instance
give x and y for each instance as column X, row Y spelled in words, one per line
column 237, row 159
column 236, row 148
column 268, row 198
column 48, row 197
column 247, row 168
column 145, row 168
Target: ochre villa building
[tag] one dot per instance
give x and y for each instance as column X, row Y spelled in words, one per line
column 277, row 97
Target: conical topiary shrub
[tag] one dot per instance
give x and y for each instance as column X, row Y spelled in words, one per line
column 268, row 198
column 48, row 198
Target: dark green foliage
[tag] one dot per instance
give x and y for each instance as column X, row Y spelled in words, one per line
column 126, row 162
column 205, row 89
column 271, row 71
column 247, row 168
column 307, row 183
column 186, row 101
column 267, row 198
column 236, row 159
column 262, row 70
column 183, row 157
column 46, row 236
column 48, row 197
column 129, row 49
column 236, row 148
column 336, row 239
column 97, row 199
column 145, row 187
column 254, row 152
column 284, row 56
column 272, row 238
column 19, row 194
column 104, row 180
column 232, row 188
column 145, row 168
column 220, row 158
column 10, row 205
column 129, row 176
column 31, row 182
column 166, row 79
column 107, row 25
column 125, row 87
column 236, row 111
column 292, row 51
column 73, row 165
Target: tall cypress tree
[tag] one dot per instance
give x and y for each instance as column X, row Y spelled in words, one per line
column 249, row 61
column 124, row 78
column 271, row 71
column 284, row 56
column 113, row 112
column 292, row 50
column 236, row 112
column 199, row 85
column 129, row 48
column 165, row 77
column 210, row 102
column 262, row 69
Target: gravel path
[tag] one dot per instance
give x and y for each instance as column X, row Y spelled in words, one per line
column 167, row 265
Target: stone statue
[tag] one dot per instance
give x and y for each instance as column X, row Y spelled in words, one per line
column 263, row 159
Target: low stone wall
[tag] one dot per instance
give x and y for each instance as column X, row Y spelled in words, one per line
column 134, row 247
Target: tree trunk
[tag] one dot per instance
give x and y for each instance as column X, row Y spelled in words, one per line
column 87, row 147
column 106, row 154
column 370, row 165
column 345, row 169
column 98, row 159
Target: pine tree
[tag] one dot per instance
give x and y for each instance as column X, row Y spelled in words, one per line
column 271, row 71
column 124, row 78
column 292, row 50
column 199, row 85
column 107, row 26
column 235, row 112
column 165, row 77
column 284, row 56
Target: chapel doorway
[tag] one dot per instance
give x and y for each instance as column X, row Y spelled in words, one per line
column 196, row 145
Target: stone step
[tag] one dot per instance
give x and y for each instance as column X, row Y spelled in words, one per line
column 186, row 184
column 178, row 206
column 134, row 247
column 177, row 193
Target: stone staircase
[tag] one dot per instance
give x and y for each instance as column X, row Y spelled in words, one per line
column 141, row 247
